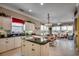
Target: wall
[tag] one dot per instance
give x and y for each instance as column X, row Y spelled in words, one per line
column 14, row 14
column 19, row 16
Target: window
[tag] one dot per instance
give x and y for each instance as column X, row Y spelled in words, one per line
column 42, row 27
column 17, row 28
column 67, row 28
column 56, row 28
column 44, row 30
column 70, row 28
column 64, row 28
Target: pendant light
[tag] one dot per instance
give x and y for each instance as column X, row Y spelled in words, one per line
column 48, row 24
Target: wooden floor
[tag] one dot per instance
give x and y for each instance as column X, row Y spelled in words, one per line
column 63, row 47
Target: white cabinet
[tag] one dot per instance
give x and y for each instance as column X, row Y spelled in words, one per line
column 29, row 26
column 34, row 49
column 30, row 49
column 24, row 48
column 5, row 22
column 6, row 44
column 17, row 42
column 9, row 43
column 2, row 45
column 45, row 50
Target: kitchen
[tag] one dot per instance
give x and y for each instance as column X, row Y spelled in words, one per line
column 32, row 36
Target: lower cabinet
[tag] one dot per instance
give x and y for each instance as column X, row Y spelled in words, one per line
column 17, row 42
column 2, row 45
column 45, row 50
column 9, row 43
column 33, row 49
column 36, row 51
column 30, row 49
column 24, row 48
column 6, row 44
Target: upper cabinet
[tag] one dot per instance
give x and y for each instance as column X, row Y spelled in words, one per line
column 29, row 26
column 5, row 23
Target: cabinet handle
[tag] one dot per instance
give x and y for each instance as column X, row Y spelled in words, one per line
column 33, row 49
column 6, row 41
column 32, row 44
column 24, row 45
column 23, row 41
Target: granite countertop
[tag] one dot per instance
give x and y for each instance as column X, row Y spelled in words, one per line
column 10, row 37
column 37, row 41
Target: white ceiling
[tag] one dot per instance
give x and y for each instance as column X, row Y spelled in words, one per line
column 59, row 12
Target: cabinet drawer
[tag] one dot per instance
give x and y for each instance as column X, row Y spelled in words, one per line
column 35, row 51
column 30, row 49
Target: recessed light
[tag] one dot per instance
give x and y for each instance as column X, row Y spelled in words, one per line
column 58, row 23
column 41, row 3
column 30, row 10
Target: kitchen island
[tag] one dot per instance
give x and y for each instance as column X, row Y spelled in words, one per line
column 32, row 47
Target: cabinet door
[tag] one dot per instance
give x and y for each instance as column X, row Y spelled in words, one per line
column 29, row 26
column 9, row 43
column 17, row 42
column 35, row 50
column 2, row 45
column 45, row 50
column 24, row 48
column 30, row 49
column 6, row 22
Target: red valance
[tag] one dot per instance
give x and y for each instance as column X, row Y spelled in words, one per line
column 18, row 20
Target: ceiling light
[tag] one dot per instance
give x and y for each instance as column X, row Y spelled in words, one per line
column 41, row 3
column 58, row 23
column 30, row 10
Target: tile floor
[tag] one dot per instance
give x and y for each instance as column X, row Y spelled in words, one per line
column 63, row 47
